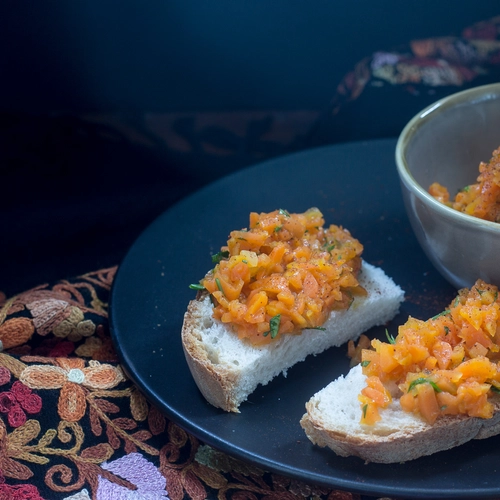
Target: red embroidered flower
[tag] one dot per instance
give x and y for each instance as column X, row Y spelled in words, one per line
column 19, row 492
column 7, row 401
column 4, row 375
column 17, row 401
column 16, row 416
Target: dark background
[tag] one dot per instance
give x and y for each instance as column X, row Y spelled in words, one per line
column 76, row 193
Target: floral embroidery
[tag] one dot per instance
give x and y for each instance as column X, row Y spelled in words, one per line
column 19, row 492
column 13, row 447
column 140, row 472
column 72, row 377
column 17, row 401
column 15, row 331
column 81, row 495
column 75, row 326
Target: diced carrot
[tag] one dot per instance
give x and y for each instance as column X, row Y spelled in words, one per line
column 428, row 405
column 445, row 365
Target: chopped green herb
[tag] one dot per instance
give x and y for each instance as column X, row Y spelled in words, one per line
column 466, row 189
column 219, row 286
column 217, row 257
column 277, row 229
column 329, row 248
column 274, row 326
column 423, row 380
column 447, row 311
column 495, row 389
column 364, row 363
column 244, row 261
column 351, row 300
column 446, row 330
column 365, row 407
column 196, row 286
column 390, row 338
column 284, row 212
column 456, row 301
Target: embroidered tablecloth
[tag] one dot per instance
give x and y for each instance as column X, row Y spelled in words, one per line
column 74, row 427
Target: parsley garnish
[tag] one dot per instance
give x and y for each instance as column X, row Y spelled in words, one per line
column 219, row 286
column 217, row 257
column 447, row 311
column 274, row 325
column 284, row 212
column 196, row 286
column 423, row 380
column 364, row 363
column 390, row 338
column 446, row 330
column 277, row 229
column 365, row 407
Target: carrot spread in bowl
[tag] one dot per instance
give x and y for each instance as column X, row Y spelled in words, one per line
column 481, row 199
column 447, row 365
column 283, row 274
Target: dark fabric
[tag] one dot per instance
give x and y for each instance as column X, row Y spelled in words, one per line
column 385, row 90
column 76, row 190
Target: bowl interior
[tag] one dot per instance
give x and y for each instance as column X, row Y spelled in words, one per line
column 446, row 142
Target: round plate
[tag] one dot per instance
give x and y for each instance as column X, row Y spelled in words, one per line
column 355, row 185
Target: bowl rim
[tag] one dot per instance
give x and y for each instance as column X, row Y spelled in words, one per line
column 475, row 94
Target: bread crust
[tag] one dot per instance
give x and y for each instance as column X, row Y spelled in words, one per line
column 404, row 444
column 216, row 384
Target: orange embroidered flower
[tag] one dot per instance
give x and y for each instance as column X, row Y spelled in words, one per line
column 15, row 332
column 74, row 379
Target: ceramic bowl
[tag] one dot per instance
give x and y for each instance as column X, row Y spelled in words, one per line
column 445, row 143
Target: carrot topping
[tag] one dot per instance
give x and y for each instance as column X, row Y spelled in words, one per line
column 447, row 365
column 283, row 274
column 481, row 199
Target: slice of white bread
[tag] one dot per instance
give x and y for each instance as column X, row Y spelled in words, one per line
column 333, row 420
column 227, row 370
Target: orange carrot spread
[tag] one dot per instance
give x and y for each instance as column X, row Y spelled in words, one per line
column 283, row 274
column 480, row 200
column 447, row 365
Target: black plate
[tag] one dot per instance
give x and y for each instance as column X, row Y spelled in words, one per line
column 354, row 185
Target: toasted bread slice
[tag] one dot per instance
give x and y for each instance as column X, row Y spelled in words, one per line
column 227, row 370
column 333, row 415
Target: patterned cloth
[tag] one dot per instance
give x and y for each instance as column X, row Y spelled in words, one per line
column 74, row 427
